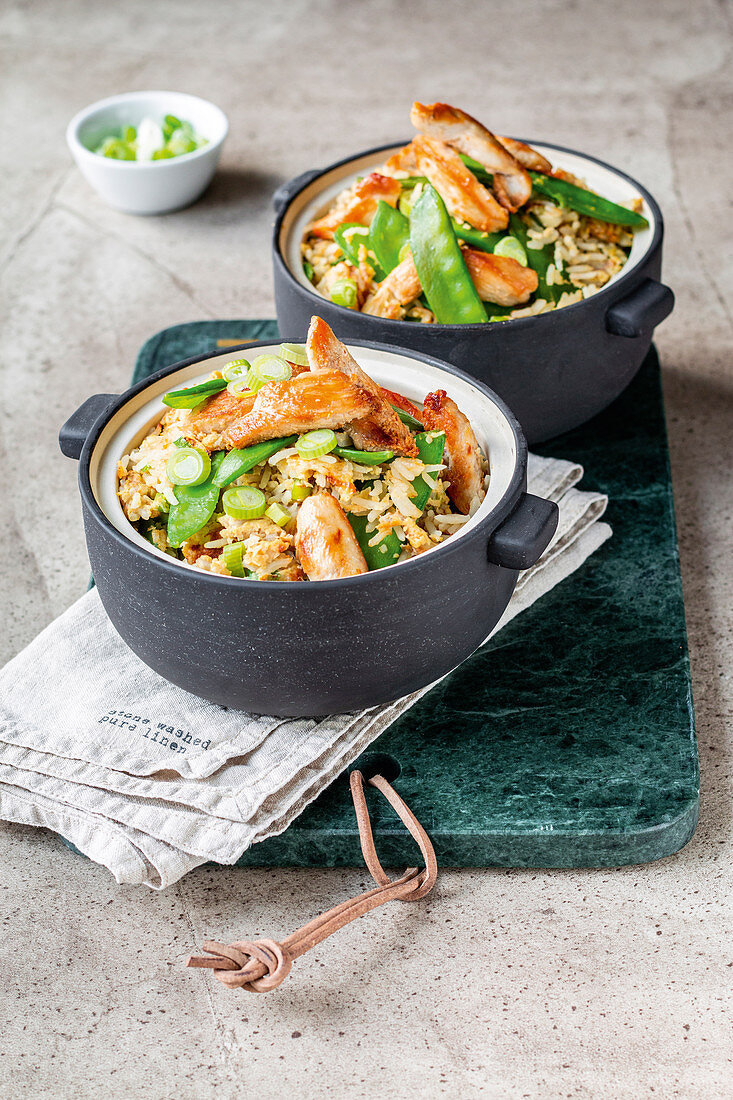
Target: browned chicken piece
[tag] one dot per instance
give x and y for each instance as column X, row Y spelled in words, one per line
column 326, row 400
column 205, row 424
column 462, row 454
column 400, row 287
column 466, row 198
column 403, row 161
column 499, row 279
column 382, row 428
column 451, row 125
column 325, row 542
column 359, row 206
column 525, row 154
column 401, row 402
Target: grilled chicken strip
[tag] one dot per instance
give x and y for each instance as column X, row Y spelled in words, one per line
column 525, row 154
column 462, row 453
column 403, row 160
column 325, row 400
column 382, row 428
column 359, row 206
column 499, row 279
column 400, row 287
column 205, row 425
column 325, row 542
column 466, row 198
column 464, row 133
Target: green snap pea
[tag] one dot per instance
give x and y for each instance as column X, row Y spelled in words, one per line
column 480, row 172
column 572, row 197
column 388, row 232
column 196, row 505
column 350, row 236
column 407, row 418
column 430, row 447
column 476, row 238
column 539, row 260
column 194, row 396
column 239, row 461
column 440, row 266
column 364, row 458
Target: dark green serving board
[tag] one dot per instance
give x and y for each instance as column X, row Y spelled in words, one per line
column 569, row 740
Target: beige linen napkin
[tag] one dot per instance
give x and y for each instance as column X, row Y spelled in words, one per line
column 152, row 781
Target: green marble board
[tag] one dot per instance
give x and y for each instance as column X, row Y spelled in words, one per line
column 569, row 740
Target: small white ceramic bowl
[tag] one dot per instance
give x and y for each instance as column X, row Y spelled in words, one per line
column 147, row 187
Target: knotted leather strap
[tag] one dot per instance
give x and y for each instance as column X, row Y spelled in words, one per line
column 262, row 965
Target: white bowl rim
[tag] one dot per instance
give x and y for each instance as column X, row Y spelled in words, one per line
column 79, row 149
column 651, row 210
column 497, row 510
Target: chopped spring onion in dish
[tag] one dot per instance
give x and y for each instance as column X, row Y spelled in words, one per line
column 300, row 491
column 236, row 369
column 294, row 353
column 360, row 483
column 239, row 387
column 268, row 368
column 511, row 247
column 414, row 239
column 188, row 466
column 278, row 515
column 231, row 555
column 151, row 140
column 344, row 292
column 244, row 502
column 317, row 443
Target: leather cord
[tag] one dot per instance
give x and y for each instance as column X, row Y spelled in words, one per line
column 263, row 965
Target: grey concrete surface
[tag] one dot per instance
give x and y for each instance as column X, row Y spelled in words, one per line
column 608, row 983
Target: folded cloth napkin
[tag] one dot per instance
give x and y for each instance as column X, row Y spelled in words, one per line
column 152, row 781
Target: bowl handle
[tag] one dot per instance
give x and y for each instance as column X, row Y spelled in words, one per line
column 73, row 434
column 525, row 534
column 285, row 191
column 640, row 311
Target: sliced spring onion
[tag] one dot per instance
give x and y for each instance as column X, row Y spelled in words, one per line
column 404, row 252
column 364, row 458
column 300, row 491
column 344, row 293
column 294, row 353
column 308, row 271
column 129, row 133
column 278, row 515
column 244, row 502
column 194, row 396
column 162, row 502
column 512, row 249
column 316, row 443
column 239, row 387
column 268, row 368
column 232, row 557
column 188, row 466
column 236, row 369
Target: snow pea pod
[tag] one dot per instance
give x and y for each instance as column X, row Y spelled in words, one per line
column 350, row 236
column 196, row 505
column 572, row 197
column 388, row 232
column 539, row 259
column 238, row 462
column 364, row 458
column 195, row 395
column 440, row 266
column 386, row 552
column 480, row 172
column 476, row 238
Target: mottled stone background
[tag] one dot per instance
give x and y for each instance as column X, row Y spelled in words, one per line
column 504, row 984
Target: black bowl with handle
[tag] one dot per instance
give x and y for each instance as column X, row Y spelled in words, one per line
column 555, row 370
column 308, row 648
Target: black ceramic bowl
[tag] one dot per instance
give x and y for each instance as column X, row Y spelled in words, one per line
column 556, row 370
column 308, row 648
